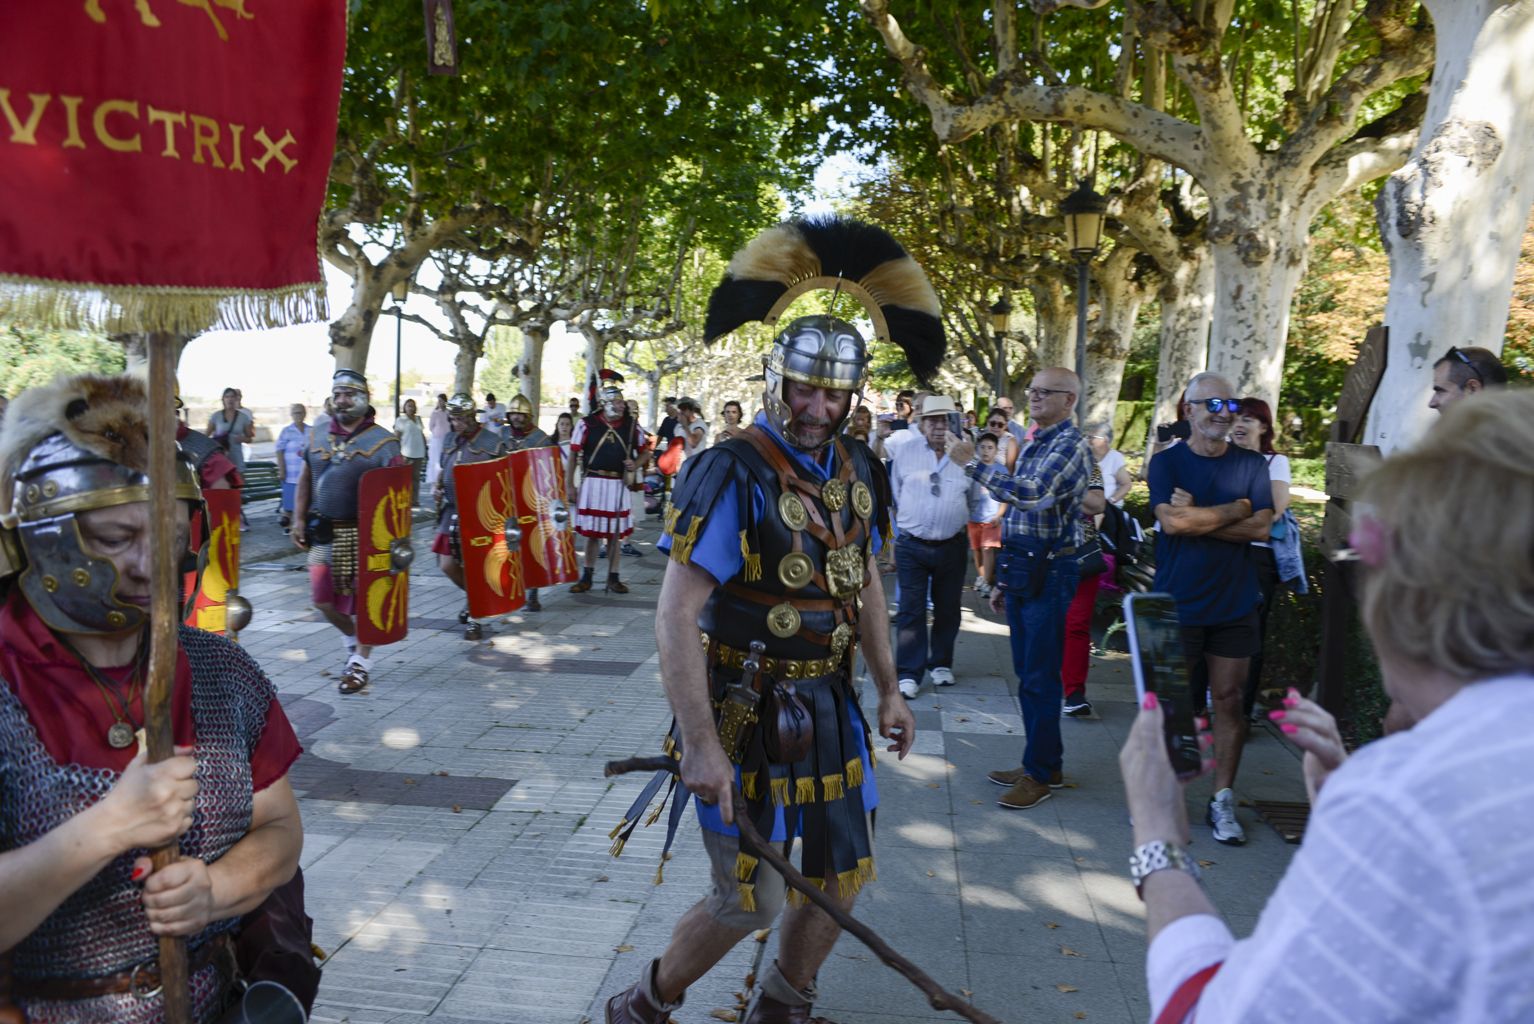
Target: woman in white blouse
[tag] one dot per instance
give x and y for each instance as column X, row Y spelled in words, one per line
column 1411, row 899
column 1253, row 430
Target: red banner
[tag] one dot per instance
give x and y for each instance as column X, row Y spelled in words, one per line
column 492, row 573
column 548, row 547
column 222, row 571
column 383, row 586
column 170, row 156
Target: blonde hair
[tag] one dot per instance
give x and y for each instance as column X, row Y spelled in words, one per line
column 1455, row 588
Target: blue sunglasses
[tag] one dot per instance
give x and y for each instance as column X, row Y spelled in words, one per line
column 1214, row 405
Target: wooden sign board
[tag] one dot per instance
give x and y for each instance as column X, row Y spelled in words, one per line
column 1346, row 467
column 1359, row 386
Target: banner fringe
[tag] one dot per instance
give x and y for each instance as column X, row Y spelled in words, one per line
column 143, row 309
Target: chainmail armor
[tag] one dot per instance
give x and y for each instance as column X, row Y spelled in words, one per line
column 101, row 929
column 336, row 467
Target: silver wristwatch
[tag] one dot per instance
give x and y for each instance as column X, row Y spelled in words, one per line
column 1158, row 855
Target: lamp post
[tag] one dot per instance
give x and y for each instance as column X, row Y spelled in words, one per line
column 1084, row 212
column 401, row 293
column 1001, row 321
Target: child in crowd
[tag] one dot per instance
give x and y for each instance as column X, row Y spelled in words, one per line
column 984, row 520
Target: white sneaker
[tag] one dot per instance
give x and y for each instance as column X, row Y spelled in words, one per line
column 908, row 688
column 942, row 677
column 1222, row 818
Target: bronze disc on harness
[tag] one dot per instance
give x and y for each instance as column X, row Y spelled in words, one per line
column 791, row 508
column 844, row 570
column 796, row 570
column 783, row 620
column 120, row 736
column 841, row 639
column 862, row 500
column 834, row 494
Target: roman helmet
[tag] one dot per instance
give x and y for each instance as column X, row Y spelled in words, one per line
column 79, row 444
column 520, row 404
column 845, row 257
column 352, row 380
column 462, row 406
column 611, row 391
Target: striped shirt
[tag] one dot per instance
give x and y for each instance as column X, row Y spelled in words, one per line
column 1044, row 491
column 1411, row 899
column 915, row 471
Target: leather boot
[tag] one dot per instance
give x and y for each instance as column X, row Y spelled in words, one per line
column 638, row 1004
column 777, row 1002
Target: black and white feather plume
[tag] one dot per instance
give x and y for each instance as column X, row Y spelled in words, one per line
column 833, row 253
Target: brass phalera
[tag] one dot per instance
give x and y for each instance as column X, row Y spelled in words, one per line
column 783, row 620
column 796, row 569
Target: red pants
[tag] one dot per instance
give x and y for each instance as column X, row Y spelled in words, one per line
column 1078, row 638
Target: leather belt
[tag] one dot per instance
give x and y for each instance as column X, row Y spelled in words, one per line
column 604, row 474
column 143, row 981
column 930, row 543
column 779, row 668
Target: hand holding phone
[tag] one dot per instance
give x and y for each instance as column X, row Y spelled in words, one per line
column 1160, row 667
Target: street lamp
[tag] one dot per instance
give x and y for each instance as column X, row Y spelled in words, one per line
column 401, row 293
column 1001, row 321
column 1084, row 212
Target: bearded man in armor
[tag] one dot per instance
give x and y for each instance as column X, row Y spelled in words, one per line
column 470, row 441
column 80, row 806
column 771, row 538
column 522, row 431
column 609, row 445
column 325, row 511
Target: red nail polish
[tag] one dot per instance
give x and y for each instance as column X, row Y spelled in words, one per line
column 1290, row 728
column 137, row 874
column 1277, row 716
column 1150, row 702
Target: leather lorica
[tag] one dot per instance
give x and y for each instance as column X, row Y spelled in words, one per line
column 805, row 554
column 336, row 466
column 99, row 929
column 482, row 447
column 606, row 445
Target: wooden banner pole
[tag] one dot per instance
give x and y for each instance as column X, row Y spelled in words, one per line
column 164, row 618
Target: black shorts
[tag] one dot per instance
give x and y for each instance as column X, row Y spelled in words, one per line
column 1239, row 638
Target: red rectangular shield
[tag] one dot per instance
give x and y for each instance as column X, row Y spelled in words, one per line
column 383, row 588
column 548, row 547
column 222, row 572
column 492, row 574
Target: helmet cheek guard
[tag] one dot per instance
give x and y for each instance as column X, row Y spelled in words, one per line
column 819, row 352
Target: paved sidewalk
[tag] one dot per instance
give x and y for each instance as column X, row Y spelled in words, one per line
column 456, row 823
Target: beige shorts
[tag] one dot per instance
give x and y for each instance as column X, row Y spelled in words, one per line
column 723, row 899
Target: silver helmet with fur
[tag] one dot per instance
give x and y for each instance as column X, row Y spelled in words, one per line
column 79, row 444
column 840, row 255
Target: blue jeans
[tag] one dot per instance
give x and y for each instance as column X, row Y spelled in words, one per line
column 1038, row 646
column 918, row 567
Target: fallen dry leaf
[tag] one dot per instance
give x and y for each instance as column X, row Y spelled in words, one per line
column 1051, row 924
column 458, row 808
column 1206, row 863
column 625, row 948
column 1063, row 987
column 1068, row 951
column 1081, row 1015
column 933, row 785
column 725, row 1015
column 962, row 718
column 602, row 878
column 750, row 981
column 440, row 773
column 761, row 936
column 931, row 874
column 409, row 781
column 966, row 993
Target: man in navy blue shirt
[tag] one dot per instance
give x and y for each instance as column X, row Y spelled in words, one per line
column 1211, row 499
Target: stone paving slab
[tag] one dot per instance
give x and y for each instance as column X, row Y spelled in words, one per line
column 482, row 889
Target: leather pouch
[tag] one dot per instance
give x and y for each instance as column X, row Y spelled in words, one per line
column 788, row 731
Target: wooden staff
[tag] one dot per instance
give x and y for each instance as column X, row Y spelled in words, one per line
column 752, row 842
column 164, row 617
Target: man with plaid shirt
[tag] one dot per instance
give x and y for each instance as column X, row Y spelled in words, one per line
column 1036, row 571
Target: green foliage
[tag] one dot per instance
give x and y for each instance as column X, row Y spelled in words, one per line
column 493, row 373
column 29, row 356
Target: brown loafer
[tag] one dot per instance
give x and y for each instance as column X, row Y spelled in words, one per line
column 1029, row 792
column 580, row 587
column 1013, row 776
column 617, row 586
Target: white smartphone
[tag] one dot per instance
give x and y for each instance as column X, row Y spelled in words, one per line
column 1161, row 667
